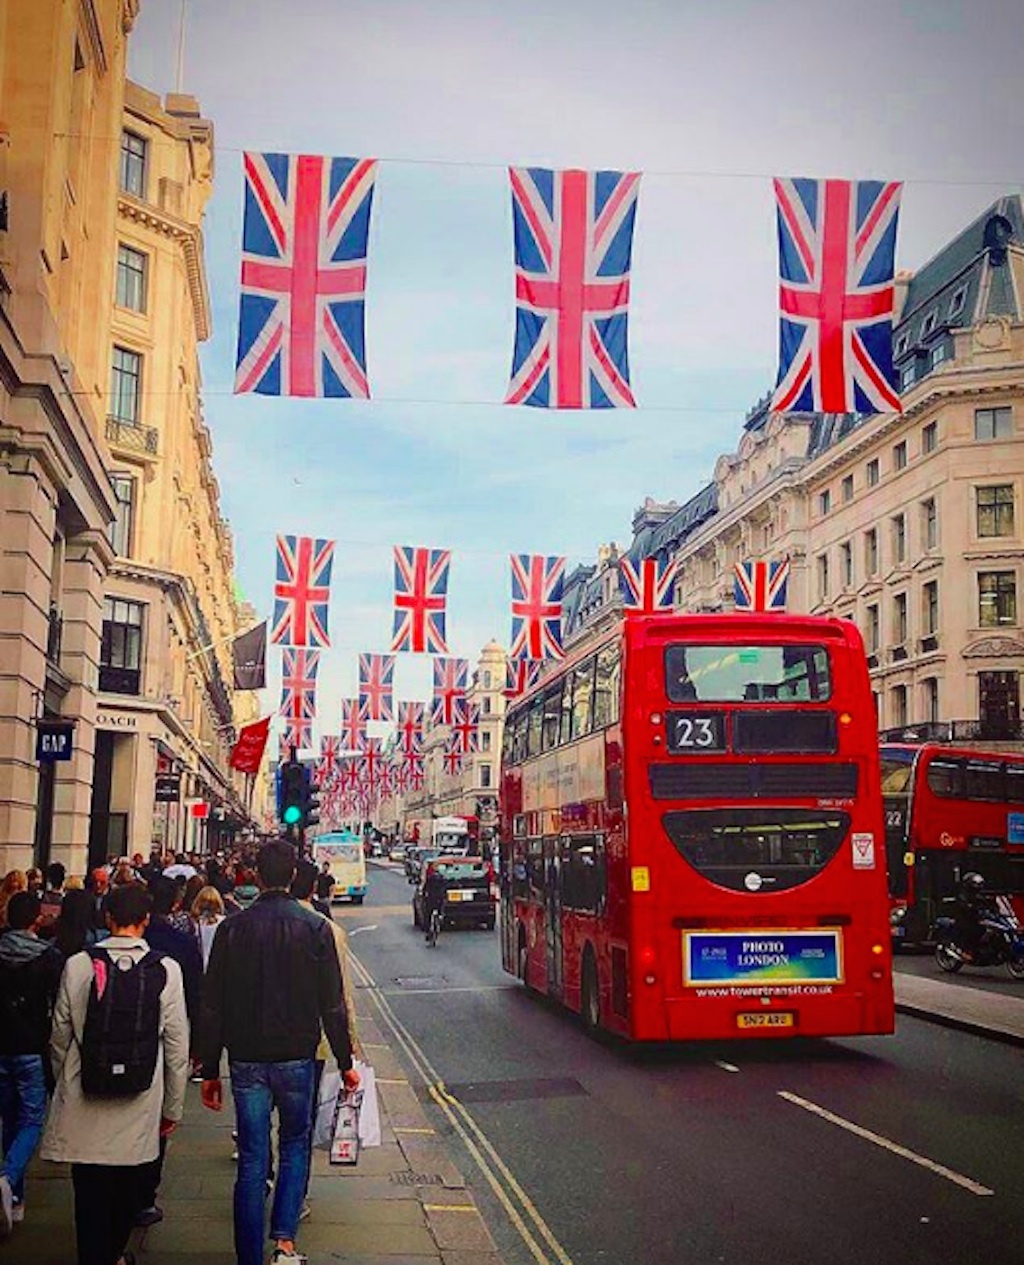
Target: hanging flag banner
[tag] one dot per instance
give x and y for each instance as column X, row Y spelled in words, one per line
column 573, row 245
column 421, row 589
column 837, row 249
column 536, row 606
column 330, row 751
column 353, row 725
column 247, row 753
column 410, row 727
column 301, row 325
column 298, row 685
column 298, row 736
column 376, row 678
column 249, row 658
column 452, row 757
column 646, row 586
column 451, row 678
column 302, row 590
column 466, row 727
column 520, row 675
column 761, row 586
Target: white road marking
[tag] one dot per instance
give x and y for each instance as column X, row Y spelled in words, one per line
column 726, row 1067
column 939, row 1169
column 460, row 988
column 359, row 930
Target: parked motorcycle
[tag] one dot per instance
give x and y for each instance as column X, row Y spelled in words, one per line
column 1001, row 944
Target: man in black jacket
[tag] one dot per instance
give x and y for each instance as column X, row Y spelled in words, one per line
column 272, row 981
column 29, row 976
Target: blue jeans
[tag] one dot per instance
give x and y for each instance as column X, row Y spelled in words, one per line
column 257, row 1089
column 22, row 1114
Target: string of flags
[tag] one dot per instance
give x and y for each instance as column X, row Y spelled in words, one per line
column 305, row 234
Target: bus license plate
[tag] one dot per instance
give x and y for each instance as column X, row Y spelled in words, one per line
column 776, row 1019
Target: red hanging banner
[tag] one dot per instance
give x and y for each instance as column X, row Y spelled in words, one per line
column 248, row 750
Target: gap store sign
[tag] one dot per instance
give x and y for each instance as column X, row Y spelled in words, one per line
column 762, row 957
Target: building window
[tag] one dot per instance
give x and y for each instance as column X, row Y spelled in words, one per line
column 846, row 564
column 930, row 693
column 487, row 678
column 902, row 343
column 485, row 740
column 131, row 278
column 899, row 611
column 873, row 631
column 486, row 705
column 939, row 353
column 133, row 163
column 931, row 608
column 930, row 322
column 824, row 502
column 930, row 437
column 871, row 551
column 899, row 538
column 126, row 385
column 871, row 472
column 907, row 375
column 121, row 647
column 930, row 523
column 956, row 303
column 485, row 775
column 997, row 598
column 993, row 423
column 899, row 705
column 899, row 455
column 847, row 487
column 995, row 510
column 120, row 530
column 823, row 577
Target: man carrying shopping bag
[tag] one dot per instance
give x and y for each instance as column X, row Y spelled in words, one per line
column 272, row 981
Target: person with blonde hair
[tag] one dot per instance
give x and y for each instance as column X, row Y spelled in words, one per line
column 74, row 884
column 207, row 913
column 14, row 881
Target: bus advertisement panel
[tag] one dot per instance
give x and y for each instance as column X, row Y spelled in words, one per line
column 949, row 811
column 692, row 832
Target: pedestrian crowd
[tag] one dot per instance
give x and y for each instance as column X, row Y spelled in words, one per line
column 118, row 988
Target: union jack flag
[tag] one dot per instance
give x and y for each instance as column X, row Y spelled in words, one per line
column 421, row 588
column 353, row 725
column 414, row 773
column 376, row 678
column 302, row 589
column 837, row 245
column 466, row 727
column 520, row 675
column 761, row 586
column 646, row 586
column 298, row 736
column 410, row 727
column 451, row 677
column 298, row 685
column 574, row 239
column 536, row 606
column 371, row 762
column 330, row 750
column 301, row 326
column 452, row 757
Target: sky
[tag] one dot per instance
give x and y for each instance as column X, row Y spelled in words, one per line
column 708, row 100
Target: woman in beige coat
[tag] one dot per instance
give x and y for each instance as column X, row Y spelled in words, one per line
column 109, row 1142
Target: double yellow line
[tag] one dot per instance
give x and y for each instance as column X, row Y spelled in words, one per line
column 535, row 1232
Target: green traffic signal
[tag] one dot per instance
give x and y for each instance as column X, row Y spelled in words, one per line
column 292, row 815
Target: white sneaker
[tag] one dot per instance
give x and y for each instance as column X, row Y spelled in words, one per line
column 305, row 1212
column 295, row 1257
column 6, row 1207
column 18, row 1215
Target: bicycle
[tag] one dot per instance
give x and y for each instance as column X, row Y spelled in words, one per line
column 434, row 927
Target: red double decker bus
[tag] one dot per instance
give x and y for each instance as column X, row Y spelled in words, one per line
column 692, row 832
column 949, row 810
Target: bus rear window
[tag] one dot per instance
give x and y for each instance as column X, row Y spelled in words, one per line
column 757, row 849
column 747, row 674
column 896, row 771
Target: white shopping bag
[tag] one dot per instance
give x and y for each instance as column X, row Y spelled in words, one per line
column 369, row 1108
column 345, row 1141
column 326, row 1110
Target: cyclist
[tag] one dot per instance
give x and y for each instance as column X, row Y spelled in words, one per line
column 433, row 896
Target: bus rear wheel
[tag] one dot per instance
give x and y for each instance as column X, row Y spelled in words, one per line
column 523, row 963
column 590, row 996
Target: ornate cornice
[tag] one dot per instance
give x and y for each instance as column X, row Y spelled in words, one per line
column 994, row 648
column 91, row 26
column 190, row 238
column 129, row 12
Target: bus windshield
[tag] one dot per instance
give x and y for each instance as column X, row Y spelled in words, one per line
column 749, row 673
column 897, row 767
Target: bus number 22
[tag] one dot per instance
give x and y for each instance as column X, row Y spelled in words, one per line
column 698, row 731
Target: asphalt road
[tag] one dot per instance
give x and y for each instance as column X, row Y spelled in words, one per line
column 693, row 1155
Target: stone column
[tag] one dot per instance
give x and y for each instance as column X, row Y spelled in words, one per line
column 27, row 519
column 87, row 558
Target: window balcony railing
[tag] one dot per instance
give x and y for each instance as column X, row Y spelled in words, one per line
column 142, row 440
column 54, row 635
column 993, row 729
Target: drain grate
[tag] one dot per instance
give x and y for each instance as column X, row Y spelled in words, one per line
column 518, row 1091
column 416, row 1179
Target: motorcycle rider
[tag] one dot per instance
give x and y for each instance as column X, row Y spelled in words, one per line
column 973, row 906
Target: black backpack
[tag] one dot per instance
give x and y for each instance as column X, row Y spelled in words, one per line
column 121, row 1037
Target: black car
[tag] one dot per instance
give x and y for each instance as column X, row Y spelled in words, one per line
column 468, row 892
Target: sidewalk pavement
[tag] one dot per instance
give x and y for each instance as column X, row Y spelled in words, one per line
column 983, row 1012
column 403, row 1204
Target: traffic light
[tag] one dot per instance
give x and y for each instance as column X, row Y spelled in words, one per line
column 292, row 804
column 312, row 813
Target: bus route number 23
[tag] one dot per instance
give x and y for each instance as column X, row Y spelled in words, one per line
column 690, row 732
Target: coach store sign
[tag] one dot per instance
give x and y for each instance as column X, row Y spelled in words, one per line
column 122, row 721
